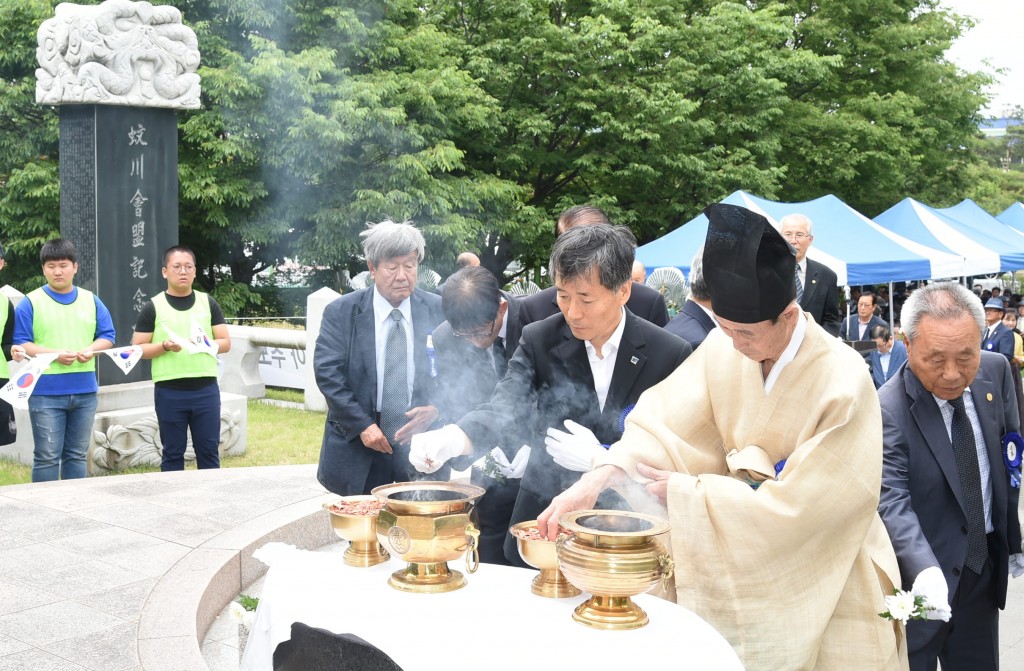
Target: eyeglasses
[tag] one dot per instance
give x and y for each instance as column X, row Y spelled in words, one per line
column 482, row 332
column 178, row 268
column 795, row 236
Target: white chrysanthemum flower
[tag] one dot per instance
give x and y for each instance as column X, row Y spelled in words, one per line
column 901, row 606
column 237, row 612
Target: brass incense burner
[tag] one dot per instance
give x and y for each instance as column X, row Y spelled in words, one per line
column 360, row 531
column 540, row 553
column 427, row 524
column 613, row 555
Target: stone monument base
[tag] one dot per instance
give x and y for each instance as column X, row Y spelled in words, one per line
column 125, row 434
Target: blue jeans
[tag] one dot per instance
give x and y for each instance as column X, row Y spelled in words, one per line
column 61, row 431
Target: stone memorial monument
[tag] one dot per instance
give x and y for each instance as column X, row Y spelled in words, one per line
column 119, row 71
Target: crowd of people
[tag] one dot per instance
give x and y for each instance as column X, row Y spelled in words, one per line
column 71, row 325
column 805, row 479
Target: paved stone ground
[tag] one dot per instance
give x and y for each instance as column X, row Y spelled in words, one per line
column 79, row 560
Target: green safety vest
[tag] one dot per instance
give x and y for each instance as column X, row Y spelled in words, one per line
column 64, row 327
column 5, row 372
column 178, row 365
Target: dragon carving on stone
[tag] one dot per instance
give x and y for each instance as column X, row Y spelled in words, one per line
column 117, row 53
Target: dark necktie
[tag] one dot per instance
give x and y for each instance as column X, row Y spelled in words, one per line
column 966, row 454
column 395, row 398
column 799, row 285
column 498, row 352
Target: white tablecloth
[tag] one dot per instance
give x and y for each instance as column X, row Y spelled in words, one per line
column 495, row 619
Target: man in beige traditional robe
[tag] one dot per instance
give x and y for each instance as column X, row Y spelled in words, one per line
column 791, row 567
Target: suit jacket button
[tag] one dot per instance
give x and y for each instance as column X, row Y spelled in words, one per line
column 956, row 572
column 963, row 530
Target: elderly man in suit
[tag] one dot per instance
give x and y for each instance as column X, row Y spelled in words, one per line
column 997, row 336
column 643, row 301
column 371, row 365
column 947, row 499
column 473, row 346
column 858, row 326
column 887, row 357
column 695, row 321
column 580, row 370
column 816, row 289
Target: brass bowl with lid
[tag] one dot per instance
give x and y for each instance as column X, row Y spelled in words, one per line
column 428, row 524
column 614, row 555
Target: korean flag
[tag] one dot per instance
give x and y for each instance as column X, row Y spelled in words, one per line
column 125, row 358
column 22, row 382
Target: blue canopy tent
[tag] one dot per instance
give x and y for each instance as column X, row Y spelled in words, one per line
column 975, row 216
column 981, row 249
column 856, row 248
column 1013, row 217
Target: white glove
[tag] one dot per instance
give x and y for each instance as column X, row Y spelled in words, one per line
column 430, row 449
column 509, row 469
column 931, row 584
column 518, row 466
column 1017, row 565
column 575, row 450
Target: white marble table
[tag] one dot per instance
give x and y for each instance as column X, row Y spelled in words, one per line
column 494, row 622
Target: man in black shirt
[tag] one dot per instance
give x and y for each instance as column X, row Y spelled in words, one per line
column 182, row 331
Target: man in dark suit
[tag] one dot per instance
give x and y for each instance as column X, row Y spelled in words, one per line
column 371, row 365
column 816, row 289
column 582, row 370
column 695, row 321
column 473, row 348
column 887, row 357
column 946, row 498
column 997, row 337
column 643, row 301
column 858, row 326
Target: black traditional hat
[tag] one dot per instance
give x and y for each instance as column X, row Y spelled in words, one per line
column 749, row 268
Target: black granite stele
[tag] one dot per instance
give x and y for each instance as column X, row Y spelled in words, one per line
column 119, row 205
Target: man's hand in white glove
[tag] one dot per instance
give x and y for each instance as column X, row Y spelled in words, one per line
column 931, row 584
column 575, row 450
column 518, row 465
column 1017, row 565
column 431, row 449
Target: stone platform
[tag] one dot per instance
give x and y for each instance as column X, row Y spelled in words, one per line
column 128, row 572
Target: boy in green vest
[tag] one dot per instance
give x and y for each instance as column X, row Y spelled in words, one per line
column 62, row 318
column 186, row 394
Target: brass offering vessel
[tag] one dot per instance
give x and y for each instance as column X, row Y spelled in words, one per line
column 540, row 554
column 427, row 524
column 613, row 555
column 361, row 533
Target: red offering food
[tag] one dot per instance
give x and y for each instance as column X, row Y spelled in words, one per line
column 359, row 508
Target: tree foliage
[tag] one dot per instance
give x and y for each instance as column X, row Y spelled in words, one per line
column 481, row 120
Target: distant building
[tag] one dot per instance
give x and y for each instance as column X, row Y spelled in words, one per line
column 997, row 127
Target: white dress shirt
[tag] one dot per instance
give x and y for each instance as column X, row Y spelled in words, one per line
column 979, row 443
column 603, row 367
column 382, row 322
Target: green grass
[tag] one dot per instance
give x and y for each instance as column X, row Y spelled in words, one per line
column 276, row 436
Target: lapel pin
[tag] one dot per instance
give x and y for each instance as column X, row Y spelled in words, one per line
column 633, row 361
column 814, row 281
column 988, row 396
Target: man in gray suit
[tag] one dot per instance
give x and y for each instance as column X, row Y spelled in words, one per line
column 371, row 365
column 695, row 321
column 947, row 499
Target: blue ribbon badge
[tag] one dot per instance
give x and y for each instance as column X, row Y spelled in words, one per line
column 1013, row 445
column 622, row 417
